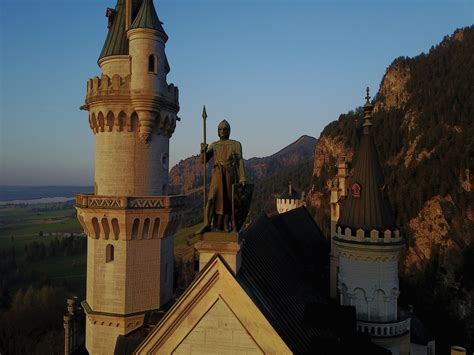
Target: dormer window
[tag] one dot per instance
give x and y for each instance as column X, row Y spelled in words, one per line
column 110, row 14
column 152, row 64
column 356, row 190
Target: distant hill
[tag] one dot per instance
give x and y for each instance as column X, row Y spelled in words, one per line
column 424, row 132
column 187, row 176
column 293, row 154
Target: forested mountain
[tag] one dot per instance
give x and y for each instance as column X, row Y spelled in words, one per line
column 424, row 132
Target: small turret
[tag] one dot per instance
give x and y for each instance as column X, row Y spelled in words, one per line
column 289, row 200
column 147, row 51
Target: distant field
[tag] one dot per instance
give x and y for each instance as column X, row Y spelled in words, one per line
column 21, row 225
column 25, row 223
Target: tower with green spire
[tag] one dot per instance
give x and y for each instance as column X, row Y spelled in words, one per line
column 129, row 219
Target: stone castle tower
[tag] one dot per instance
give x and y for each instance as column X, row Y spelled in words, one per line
column 366, row 245
column 129, row 220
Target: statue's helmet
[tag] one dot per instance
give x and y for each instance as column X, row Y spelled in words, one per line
column 224, row 124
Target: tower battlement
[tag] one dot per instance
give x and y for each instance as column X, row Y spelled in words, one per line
column 372, row 236
column 118, row 85
column 108, row 86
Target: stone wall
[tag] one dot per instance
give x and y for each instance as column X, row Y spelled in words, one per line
column 218, row 332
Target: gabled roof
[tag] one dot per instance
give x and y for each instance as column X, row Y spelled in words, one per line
column 367, row 206
column 147, row 18
column 215, row 283
column 304, row 237
column 272, row 275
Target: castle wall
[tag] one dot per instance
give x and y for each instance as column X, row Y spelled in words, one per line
column 218, row 332
column 101, row 338
column 106, row 280
column 142, row 284
column 131, row 282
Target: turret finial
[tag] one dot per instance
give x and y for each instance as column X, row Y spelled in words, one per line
column 368, row 108
column 204, row 113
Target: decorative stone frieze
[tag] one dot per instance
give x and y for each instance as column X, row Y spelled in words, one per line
column 151, row 202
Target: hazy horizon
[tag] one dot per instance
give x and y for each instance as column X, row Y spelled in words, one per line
column 282, row 68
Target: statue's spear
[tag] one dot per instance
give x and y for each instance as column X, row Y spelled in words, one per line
column 204, row 116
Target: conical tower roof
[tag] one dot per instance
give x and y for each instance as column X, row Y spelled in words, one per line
column 367, row 206
column 116, row 42
column 147, row 18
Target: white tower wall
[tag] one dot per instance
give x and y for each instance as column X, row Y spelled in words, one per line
column 370, row 286
column 115, row 65
column 124, row 166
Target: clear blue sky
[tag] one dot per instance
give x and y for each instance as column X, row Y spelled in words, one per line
column 275, row 69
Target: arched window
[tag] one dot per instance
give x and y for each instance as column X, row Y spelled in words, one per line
column 377, row 307
column 101, row 120
column 115, row 228
column 105, row 227
column 109, row 253
column 136, row 223
column 360, row 303
column 110, row 121
column 121, row 119
column 152, row 63
column 95, row 225
column 146, row 225
column 133, row 126
column 156, row 228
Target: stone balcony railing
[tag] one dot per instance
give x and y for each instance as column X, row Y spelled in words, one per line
column 118, row 202
column 384, row 329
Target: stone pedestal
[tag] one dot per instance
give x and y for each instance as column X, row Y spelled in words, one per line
column 228, row 245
